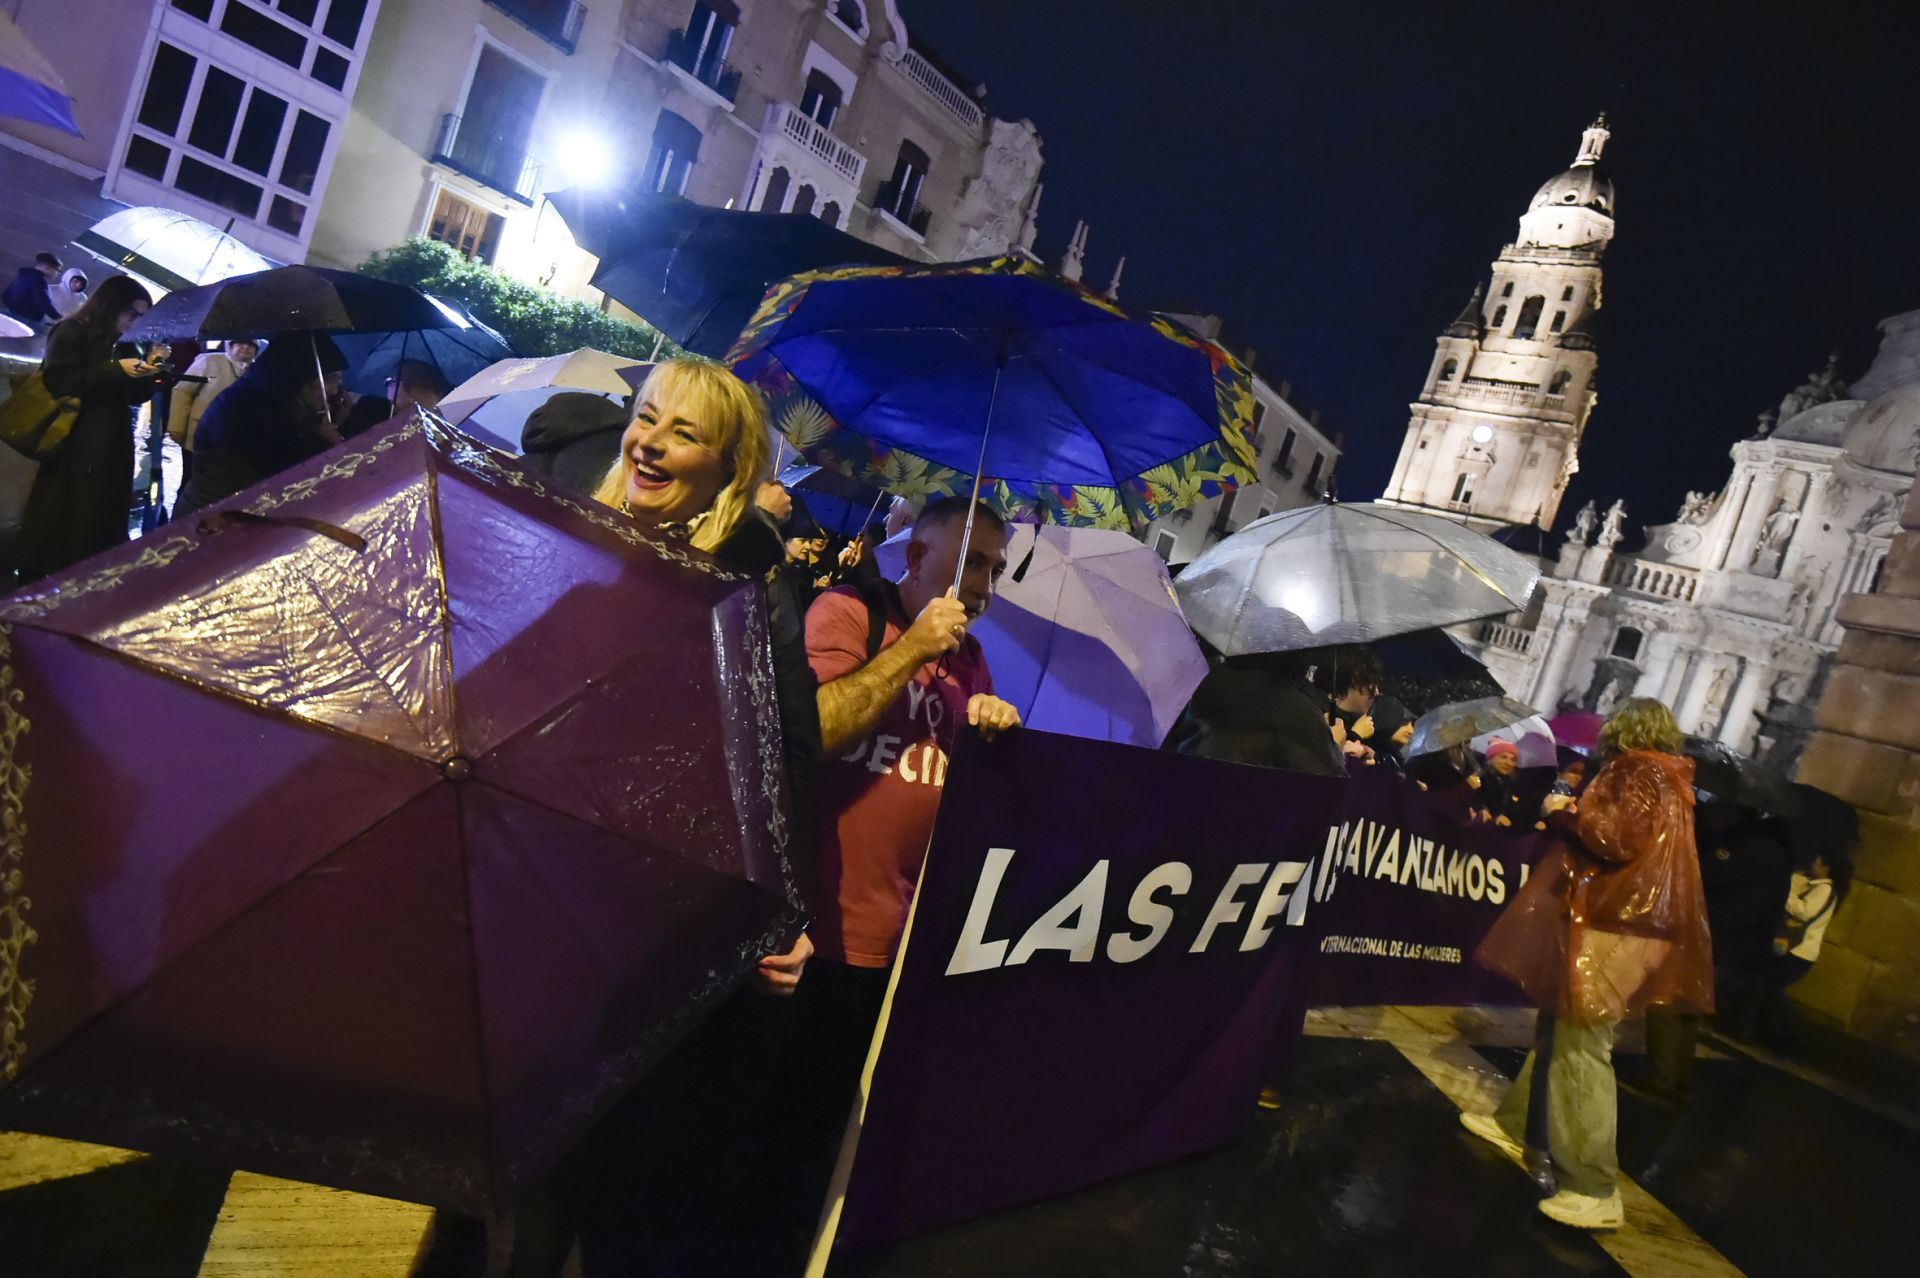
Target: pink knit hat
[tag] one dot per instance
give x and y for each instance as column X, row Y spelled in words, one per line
column 1500, row 746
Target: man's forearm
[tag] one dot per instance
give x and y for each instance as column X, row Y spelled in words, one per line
column 852, row 704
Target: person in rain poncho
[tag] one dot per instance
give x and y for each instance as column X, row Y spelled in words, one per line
column 69, row 293
column 1610, row 922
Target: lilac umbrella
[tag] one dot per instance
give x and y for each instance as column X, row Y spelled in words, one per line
column 379, row 826
column 1086, row 638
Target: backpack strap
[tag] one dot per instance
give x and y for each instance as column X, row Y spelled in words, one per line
column 880, row 597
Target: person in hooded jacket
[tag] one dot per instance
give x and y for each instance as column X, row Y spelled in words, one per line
column 29, row 297
column 273, row 418
column 574, row 438
column 1611, row 922
column 1260, row 709
column 69, row 294
column 1392, row 730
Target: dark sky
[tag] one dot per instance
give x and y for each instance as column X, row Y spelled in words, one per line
column 1333, row 178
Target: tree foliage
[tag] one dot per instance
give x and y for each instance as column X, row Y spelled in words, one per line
column 535, row 321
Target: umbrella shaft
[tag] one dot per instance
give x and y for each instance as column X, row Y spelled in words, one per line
column 980, row 464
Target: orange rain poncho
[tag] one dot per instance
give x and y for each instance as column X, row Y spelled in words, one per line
column 1616, row 921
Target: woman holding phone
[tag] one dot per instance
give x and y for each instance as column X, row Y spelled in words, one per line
column 82, row 495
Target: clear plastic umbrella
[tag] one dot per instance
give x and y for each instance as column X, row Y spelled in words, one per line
column 1462, row 722
column 1335, row 574
column 1530, row 736
column 169, row 248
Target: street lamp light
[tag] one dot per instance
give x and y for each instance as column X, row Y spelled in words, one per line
column 586, row 157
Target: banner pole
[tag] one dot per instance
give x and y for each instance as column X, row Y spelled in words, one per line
column 835, row 1205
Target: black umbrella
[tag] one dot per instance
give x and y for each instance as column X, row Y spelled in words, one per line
column 697, row 273
column 300, row 299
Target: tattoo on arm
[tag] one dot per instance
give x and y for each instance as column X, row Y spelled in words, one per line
column 851, row 705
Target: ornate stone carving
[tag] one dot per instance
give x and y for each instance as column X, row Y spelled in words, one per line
column 1775, row 535
column 993, row 205
column 1822, row 387
column 1582, row 533
column 1698, row 507
column 1614, row 526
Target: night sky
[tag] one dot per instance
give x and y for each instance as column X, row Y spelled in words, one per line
column 1332, row 179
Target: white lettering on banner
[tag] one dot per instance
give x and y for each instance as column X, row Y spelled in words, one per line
column 1073, row 924
column 1173, row 877
column 1225, row 908
column 975, row 953
column 1371, row 850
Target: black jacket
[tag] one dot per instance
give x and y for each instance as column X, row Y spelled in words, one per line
column 27, row 297
column 574, row 438
column 257, row 428
column 1244, row 714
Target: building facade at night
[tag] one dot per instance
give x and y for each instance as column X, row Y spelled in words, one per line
column 326, row 130
column 1729, row 611
column 1495, row 433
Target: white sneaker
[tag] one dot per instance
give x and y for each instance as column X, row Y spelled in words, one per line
column 1584, row 1212
column 1487, row 1128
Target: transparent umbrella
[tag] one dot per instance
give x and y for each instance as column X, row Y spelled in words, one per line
column 1460, row 723
column 1336, row 574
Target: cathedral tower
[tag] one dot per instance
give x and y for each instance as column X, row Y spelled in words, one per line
column 1496, row 431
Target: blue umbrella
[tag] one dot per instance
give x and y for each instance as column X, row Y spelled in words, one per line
column 836, row 503
column 30, row 89
column 459, row 352
column 998, row 378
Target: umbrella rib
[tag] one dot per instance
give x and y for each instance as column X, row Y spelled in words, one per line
column 438, row 540
column 473, row 988
column 1101, row 444
column 1468, row 563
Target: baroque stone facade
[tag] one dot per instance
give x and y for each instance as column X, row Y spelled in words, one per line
column 1730, row 612
column 1496, row 431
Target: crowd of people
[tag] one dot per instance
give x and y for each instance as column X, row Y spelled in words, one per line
column 876, row 676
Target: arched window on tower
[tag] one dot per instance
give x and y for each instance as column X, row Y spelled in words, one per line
column 803, row 200
column 1463, row 489
column 1508, row 290
column 1559, row 321
column 1448, row 369
column 1560, row 382
column 1626, row 643
column 1566, row 294
column 1529, row 320
column 1499, row 319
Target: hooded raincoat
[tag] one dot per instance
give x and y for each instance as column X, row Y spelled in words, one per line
column 1613, row 920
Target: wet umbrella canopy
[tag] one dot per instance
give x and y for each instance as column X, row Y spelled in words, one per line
column 1334, row 574
column 381, row 827
column 292, row 299
column 169, row 248
column 1458, row 724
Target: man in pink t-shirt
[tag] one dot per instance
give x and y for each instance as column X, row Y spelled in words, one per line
column 899, row 680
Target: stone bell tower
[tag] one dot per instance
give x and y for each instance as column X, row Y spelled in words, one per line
column 1496, row 431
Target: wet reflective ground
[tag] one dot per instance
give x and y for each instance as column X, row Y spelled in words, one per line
column 1363, row 1170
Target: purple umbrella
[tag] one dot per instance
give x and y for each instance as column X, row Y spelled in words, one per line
column 379, row 827
column 1085, row 636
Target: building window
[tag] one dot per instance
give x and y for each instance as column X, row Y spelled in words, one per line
column 1448, row 369
column 1463, row 489
column 850, row 12
column 226, row 137
column 900, row 195
column 1313, row 473
column 1265, row 511
column 1283, row 462
column 1508, row 290
column 1529, row 320
column 1163, row 544
column 473, row 231
column 1499, row 318
column 702, row 51
column 775, row 198
column 830, row 213
column 1560, row 382
column 1259, row 415
column 1566, row 294
column 821, row 100
column 1626, row 643
column 676, row 146
column 803, row 200
column 1559, row 320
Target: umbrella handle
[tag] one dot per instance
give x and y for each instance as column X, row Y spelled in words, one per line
column 966, row 533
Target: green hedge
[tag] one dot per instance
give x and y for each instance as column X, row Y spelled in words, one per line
column 534, row 321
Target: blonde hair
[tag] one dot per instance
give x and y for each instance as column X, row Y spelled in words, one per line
column 708, row 393
column 1642, row 724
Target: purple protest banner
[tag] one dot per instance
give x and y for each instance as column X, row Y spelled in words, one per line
column 1408, row 889
column 1103, row 944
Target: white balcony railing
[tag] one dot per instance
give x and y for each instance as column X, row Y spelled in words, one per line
column 807, row 133
column 942, row 90
column 1496, row 393
column 1498, row 634
column 1661, row 581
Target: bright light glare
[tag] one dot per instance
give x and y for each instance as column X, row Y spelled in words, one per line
column 1481, row 434
column 586, row 158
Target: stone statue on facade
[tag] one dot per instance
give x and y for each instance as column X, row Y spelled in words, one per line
column 996, row 206
column 1822, row 387
column 1774, row 538
column 1614, row 527
column 1768, row 422
column 1716, row 699
column 1798, row 605
column 1696, row 507
column 1582, row 534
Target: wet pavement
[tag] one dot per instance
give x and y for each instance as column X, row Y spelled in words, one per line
column 1364, row 1169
